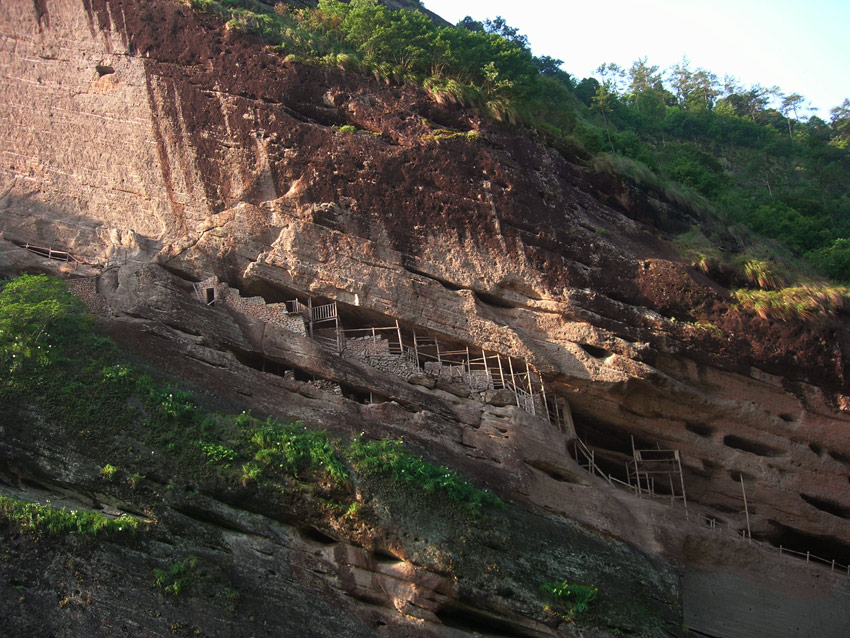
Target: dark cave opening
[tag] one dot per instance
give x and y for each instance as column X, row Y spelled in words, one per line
column 827, row 506
column 595, row 351
column 492, row 300
column 825, row 547
column 700, row 429
column 745, row 445
column 468, row 619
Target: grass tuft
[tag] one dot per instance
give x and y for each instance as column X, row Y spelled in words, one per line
column 296, row 449
column 390, row 459
column 799, row 302
column 44, row 520
column 571, row 599
column 178, row 577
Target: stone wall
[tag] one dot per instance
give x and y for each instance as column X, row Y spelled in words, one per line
column 85, row 289
column 275, row 313
column 362, row 347
column 376, row 352
column 476, row 380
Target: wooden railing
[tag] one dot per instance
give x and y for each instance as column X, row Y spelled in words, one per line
column 323, row 313
column 50, row 253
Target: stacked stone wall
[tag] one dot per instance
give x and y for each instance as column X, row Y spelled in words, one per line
column 361, row 347
column 476, row 380
column 85, row 289
column 274, row 313
column 376, row 352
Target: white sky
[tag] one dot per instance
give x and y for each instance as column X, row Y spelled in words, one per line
column 802, row 46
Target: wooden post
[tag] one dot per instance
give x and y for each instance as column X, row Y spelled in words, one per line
column 672, row 489
column 400, row 342
column 487, row 376
column 439, row 360
column 545, row 405
column 746, row 507
column 501, row 372
column 310, row 314
column 415, row 347
column 530, row 388
column 339, row 339
column 637, row 467
column 513, row 380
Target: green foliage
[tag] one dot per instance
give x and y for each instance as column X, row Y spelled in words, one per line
column 108, row 472
column 491, row 67
column 762, row 274
column 389, row 458
column 37, row 317
column 688, row 165
column 571, row 598
column 217, row 454
column 244, row 419
column 297, row 449
column 251, row 473
column 800, row 302
column 780, row 221
column 178, row 577
column 166, row 404
column 833, row 260
column 44, row 520
column 442, row 134
column 50, row 355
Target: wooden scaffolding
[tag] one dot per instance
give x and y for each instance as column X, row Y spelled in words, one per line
column 653, row 468
column 322, row 323
column 475, row 368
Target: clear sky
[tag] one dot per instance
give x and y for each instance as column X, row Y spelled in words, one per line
column 802, row 46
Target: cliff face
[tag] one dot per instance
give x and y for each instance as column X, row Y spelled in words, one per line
column 138, row 132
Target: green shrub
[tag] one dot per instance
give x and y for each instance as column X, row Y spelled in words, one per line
column 178, row 577
column 570, row 598
column 108, row 471
column 833, row 260
column 38, row 318
column 45, row 520
column 217, row 454
column 251, row 472
column 391, row 459
column 296, row 449
column 762, row 274
column 244, row 419
column 800, row 302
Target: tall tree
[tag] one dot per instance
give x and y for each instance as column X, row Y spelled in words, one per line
column 790, row 104
column 512, row 34
column 680, row 77
column 613, row 76
column 840, row 122
column 643, row 77
column 703, row 90
column 603, row 103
